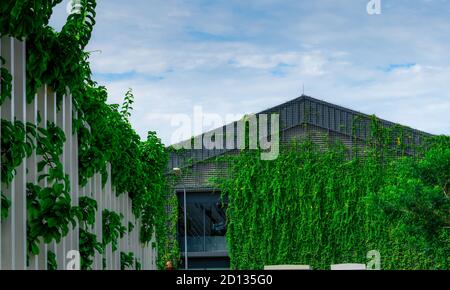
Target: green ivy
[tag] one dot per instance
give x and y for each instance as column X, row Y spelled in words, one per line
column 320, row 206
column 51, row 261
column 150, row 203
column 88, row 241
column 105, row 135
column 87, row 208
column 21, row 18
column 15, row 146
column 137, row 264
column 88, row 246
column 130, row 227
column 5, row 82
column 112, row 228
column 6, row 204
column 49, row 208
column 126, row 260
column 166, row 227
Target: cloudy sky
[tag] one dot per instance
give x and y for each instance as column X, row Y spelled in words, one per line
column 243, row 56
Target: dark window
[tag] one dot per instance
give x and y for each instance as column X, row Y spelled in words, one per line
column 206, row 222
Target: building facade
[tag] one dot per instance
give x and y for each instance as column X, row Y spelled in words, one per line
column 203, row 216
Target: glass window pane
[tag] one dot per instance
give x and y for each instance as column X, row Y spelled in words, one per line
column 206, row 223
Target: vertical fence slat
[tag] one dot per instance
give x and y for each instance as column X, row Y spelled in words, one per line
column 8, row 225
column 60, row 122
column 142, row 246
column 117, row 252
column 74, row 176
column 20, row 178
column 111, row 204
column 95, row 227
column 127, row 214
column 113, row 208
column 105, row 202
column 102, row 198
column 99, row 198
column 134, row 244
column 124, row 239
column 134, row 249
column 51, row 117
column 77, row 235
column 67, row 161
column 43, row 112
column 0, row 171
column 32, row 176
column 108, row 197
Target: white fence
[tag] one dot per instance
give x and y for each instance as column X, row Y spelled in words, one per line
column 13, row 229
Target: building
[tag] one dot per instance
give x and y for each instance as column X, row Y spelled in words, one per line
column 205, row 216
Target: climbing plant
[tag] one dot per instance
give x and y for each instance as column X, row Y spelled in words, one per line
column 112, row 228
column 5, row 82
column 321, row 206
column 5, row 207
column 126, row 260
column 88, row 241
column 58, row 59
column 166, row 227
column 137, row 264
column 52, row 265
column 49, row 208
column 86, row 209
column 15, row 146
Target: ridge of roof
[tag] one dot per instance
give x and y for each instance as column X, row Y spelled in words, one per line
column 304, row 97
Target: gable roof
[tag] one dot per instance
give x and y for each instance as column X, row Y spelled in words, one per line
column 301, row 110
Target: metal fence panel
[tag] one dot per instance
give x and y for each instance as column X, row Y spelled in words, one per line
column 13, row 235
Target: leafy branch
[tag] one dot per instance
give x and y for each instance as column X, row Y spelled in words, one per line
column 113, row 229
column 126, row 260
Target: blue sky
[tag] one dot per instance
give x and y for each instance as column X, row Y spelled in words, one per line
column 242, row 56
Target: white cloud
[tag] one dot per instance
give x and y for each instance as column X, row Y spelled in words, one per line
column 245, row 56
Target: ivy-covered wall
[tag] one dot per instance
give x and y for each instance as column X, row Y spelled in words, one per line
column 322, row 206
